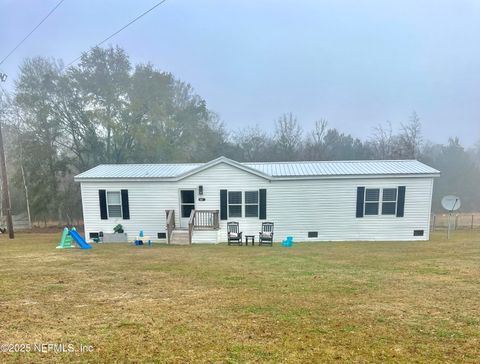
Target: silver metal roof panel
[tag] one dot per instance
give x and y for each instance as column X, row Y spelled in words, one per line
column 138, row 170
column 270, row 169
column 342, row 168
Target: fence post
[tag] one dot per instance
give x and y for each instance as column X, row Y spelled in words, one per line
column 456, row 221
column 433, row 224
column 472, row 221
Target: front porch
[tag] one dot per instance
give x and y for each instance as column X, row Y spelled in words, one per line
column 199, row 220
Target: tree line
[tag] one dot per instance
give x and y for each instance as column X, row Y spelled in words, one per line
column 59, row 122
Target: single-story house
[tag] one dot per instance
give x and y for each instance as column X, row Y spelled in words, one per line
column 311, row 201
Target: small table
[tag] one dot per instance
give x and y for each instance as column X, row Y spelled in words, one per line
column 249, row 237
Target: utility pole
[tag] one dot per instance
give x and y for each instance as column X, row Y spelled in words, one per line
column 6, row 196
column 3, row 167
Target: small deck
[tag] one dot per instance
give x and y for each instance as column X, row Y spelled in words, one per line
column 199, row 220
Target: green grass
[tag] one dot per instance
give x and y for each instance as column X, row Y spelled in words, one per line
column 317, row 302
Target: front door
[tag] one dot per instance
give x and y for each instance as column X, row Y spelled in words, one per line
column 187, row 204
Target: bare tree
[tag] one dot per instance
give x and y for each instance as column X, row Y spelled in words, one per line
column 319, row 131
column 252, row 142
column 315, row 143
column 410, row 138
column 288, row 137
column 382, row 141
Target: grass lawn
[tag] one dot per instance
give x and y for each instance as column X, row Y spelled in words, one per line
column 316, row 302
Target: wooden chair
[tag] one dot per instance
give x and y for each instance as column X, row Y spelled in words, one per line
column 266, row 235
column 234, row 234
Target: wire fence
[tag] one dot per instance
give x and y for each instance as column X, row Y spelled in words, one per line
column 20, row 222
column 459, row 221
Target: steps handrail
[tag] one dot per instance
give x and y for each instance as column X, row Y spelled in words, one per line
column 191, row 224
column 170, row 224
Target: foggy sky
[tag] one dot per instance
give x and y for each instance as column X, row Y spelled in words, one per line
column 355, row 63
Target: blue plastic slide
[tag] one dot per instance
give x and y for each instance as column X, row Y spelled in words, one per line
column 79, row 240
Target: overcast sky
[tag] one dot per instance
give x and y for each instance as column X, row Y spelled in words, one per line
column 355, row 63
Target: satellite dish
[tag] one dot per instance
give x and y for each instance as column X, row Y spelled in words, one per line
column 451, row 203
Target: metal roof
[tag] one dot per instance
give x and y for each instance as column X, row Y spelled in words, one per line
column 342, row 168
column 266, row 169
column 138, row 170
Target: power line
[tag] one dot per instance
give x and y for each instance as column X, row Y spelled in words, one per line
column 119, row 30
column 31, row 32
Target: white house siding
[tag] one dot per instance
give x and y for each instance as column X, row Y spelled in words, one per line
column 206, row 236
column 149, row 200
column 295, row 206
column 329, row 207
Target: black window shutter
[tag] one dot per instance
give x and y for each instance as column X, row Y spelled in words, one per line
column 263, row 204
column 401, row 201
column 125, row 205
column 223, row 205
column 102, row 196
column 360, row 200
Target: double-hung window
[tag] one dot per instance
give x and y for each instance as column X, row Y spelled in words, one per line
column 389, row 201
column 234, row 204
column 376, row 197
column 372, row 201
column 114, row 204
column 251, row 203
column 380, row 201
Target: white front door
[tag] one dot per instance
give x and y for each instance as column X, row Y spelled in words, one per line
column 187, row 204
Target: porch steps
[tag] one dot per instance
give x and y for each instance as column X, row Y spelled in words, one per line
column 180, row 237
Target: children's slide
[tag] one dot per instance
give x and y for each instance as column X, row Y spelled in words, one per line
column 66, row 240
column 79, row 240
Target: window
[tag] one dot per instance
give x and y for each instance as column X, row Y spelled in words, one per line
column 376, row 197
column 161, row 235
column 251, row 203
column 372, row 200
column 313, row 234
column 389, row 201
column 114, row 204
column 234, row 204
